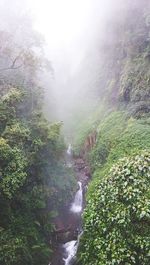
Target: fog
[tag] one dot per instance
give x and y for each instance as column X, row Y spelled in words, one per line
column 74, row 31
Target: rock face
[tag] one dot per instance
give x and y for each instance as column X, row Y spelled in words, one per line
column 83, row 172
column 89, row 143
column 66, row 236
column 79, row 164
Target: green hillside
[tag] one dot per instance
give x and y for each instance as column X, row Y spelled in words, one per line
column 116, row 221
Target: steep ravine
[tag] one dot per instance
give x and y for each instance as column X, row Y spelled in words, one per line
column 70, row 224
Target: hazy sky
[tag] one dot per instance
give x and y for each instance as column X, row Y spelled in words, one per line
column 71, row 29
column 69, row 26
column 62, row 21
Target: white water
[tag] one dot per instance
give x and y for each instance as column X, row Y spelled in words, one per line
column 72, row 246
column 69, row 156
column 69, row 150
column 71, row 250
column 76, row 207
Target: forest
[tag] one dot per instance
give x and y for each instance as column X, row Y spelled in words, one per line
column 99, row 105
column 33, row 180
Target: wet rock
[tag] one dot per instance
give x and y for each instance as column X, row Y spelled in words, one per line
column 68, row 223
column 65, row 237
column 87, row 171
column 79, row 164
column 57, row 221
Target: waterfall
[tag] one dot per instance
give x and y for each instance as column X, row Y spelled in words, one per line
column 69, row 150
column 65, row 254
column 69, row 156
column 71, row 250
column 72, row 246
column 76, row 206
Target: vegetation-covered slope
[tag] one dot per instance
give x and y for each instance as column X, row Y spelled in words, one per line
column 117, row 216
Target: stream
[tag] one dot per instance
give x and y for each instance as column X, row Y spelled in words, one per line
column 65, row 252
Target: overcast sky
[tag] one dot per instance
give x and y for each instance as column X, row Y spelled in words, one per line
column 69, row 26
column 71, row 29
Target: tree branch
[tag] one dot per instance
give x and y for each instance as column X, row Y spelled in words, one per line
column 12, row 66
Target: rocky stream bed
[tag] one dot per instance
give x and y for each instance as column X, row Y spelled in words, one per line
column 69, row 224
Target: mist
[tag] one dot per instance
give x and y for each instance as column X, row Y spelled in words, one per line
column 74, row 132
column 74, row 36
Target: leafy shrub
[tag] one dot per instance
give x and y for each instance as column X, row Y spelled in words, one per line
column 117, row 218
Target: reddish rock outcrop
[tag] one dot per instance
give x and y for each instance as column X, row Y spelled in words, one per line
column 89, row 143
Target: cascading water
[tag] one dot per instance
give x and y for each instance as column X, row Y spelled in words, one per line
column 69, row 156
column 78, row 200
column 69, row 150
column 72, row 246
column 65, row 253
column 70, row 250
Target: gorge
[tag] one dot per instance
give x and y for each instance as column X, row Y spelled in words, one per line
column 75, row 132
column 65, row 253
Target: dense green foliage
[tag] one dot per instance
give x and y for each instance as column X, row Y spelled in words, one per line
column 119, row 136
column 34, row 182
column 117, row 217
column 31, row 177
